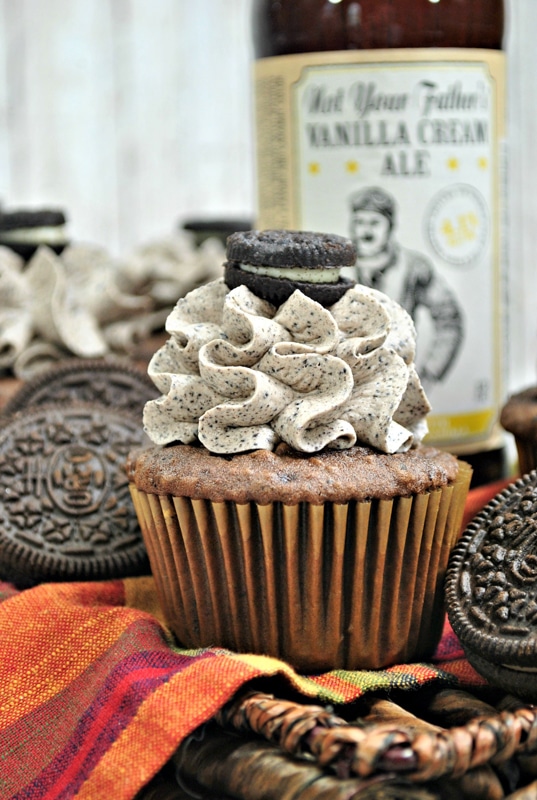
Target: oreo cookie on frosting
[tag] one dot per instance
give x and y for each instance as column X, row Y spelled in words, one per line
column 491, row 589
column 274, row 263
column 65, row 507
column 25, row 230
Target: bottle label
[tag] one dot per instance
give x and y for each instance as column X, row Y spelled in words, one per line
column 400, row 150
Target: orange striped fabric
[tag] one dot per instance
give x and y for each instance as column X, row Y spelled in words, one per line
column 95, row 697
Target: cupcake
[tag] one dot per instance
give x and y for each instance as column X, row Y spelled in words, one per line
column 288, row 505
column 519, row 417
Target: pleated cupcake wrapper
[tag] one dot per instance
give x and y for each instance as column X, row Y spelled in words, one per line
column 357, row 585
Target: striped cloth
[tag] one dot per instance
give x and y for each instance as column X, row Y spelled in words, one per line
column 95, row 697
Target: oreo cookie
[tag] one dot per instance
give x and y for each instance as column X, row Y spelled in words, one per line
column 217, row 228
column 65, row 507
column 491, row 589
column 274, row 263
column 111, row 383
column 25, row 230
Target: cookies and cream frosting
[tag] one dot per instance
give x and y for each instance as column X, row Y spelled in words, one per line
column 238, row 374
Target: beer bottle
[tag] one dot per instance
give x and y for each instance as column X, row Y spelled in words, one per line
column 383, row 120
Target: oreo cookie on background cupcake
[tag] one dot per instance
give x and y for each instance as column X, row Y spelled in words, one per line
column 24, row 230
column 289, row 506
column 203, row 228
column 491, row 589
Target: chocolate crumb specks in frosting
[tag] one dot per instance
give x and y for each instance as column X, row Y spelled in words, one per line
column 239, row 374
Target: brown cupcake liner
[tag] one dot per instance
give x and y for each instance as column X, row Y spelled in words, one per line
column 351, row 586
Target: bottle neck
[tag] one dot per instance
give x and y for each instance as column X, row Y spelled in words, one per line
column 281, row 27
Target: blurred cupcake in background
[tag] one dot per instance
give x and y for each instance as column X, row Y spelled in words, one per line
column 519, row 418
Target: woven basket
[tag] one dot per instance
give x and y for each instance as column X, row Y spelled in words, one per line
column 458, row 745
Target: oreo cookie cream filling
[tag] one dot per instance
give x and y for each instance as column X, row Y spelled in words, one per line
column 238, row 373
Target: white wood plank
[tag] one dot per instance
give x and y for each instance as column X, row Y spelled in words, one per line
column 136, row 114
column 522, row 198
column 60, row 130
column 184, row 139
column 131, row 114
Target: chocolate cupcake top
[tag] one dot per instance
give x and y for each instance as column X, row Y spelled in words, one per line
column 240, row 374
column 519, row 414
column 359, row 473
column 274, row 263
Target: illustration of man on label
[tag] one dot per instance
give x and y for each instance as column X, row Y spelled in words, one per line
column 408, row 277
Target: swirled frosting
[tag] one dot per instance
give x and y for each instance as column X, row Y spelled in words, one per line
column 238, row 374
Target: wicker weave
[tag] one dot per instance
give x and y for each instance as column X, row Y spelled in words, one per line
column 457, row 745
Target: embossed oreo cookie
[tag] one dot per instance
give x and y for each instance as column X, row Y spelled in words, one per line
column 491, row 589
column 274, row 263
column 110, row 383
column 24, row 230
column 65, row 507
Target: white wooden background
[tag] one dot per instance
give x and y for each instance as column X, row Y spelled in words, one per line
column 136, row 114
